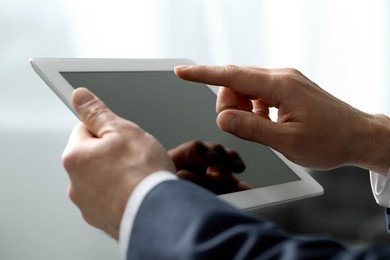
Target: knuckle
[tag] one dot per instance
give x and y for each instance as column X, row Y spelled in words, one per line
column 251, row 128
column 198, row 147
column 75, row 198
column 96, row 110
column 256, row 130
column 72, row 195
column 218, row 147
column 69, row 160
column 88, row 218
column 232, row 152
column 231, row 68
column 293, row 72
column 197, row 144
column 288, row 77
column 231, row 72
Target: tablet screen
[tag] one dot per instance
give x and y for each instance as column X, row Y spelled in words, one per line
column 177, row 111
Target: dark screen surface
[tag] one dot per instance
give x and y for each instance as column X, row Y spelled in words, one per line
column 176, row 111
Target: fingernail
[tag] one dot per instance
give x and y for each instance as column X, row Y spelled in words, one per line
column 182, row 67
column 82, row 96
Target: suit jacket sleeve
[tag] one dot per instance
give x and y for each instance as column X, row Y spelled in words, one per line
column 178, row 220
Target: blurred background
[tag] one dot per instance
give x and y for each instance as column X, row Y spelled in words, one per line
column 341, row 45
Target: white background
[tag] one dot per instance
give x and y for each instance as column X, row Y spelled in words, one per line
column 341, row 45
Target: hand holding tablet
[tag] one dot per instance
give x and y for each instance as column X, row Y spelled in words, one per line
column 148, row 93
column 209, row 165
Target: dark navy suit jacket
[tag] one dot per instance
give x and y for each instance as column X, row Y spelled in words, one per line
column 178, row 220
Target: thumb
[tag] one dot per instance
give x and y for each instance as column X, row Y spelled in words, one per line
column 251, row 127
column 92, row 112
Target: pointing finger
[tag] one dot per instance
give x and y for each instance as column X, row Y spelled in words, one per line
column 255, row 83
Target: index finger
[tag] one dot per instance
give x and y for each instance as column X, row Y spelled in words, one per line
column 255, row 83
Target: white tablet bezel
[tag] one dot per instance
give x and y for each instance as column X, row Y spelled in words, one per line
column 49, row 70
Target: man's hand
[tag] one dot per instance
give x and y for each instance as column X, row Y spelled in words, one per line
column 106, row 158
column 209, row 165
column 313, row 128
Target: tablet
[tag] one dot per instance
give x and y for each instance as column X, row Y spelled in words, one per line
column 147, row 92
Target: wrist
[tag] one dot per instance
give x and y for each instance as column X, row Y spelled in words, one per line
column 374, row 144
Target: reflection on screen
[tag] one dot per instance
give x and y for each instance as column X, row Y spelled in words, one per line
column 177, row 111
